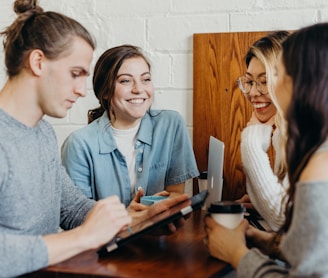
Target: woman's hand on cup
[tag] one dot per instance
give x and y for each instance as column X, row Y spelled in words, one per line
column 228, row 245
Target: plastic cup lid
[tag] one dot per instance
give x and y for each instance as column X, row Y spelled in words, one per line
column 226, row 207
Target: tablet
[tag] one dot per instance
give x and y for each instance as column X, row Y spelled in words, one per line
column 156, row 221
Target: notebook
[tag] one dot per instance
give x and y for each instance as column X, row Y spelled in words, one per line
column 157, row 221
column 215, row 171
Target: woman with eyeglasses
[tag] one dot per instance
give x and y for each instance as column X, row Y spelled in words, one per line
column 265, row 186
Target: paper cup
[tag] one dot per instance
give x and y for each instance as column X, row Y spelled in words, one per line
column 228, row 214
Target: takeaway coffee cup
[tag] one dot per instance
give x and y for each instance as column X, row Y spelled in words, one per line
column 226, row 213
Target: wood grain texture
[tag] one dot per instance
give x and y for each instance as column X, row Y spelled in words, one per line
column 182, row 254
column 219, row 107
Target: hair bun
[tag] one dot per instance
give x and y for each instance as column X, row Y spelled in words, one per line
column 23, row 6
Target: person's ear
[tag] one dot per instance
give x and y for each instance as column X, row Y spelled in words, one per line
column 35, row 60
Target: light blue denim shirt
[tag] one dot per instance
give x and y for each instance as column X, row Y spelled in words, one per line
column 164, row 156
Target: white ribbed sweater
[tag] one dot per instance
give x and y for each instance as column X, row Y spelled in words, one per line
column 263, row 187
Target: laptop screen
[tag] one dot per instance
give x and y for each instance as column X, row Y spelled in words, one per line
column 215, row 170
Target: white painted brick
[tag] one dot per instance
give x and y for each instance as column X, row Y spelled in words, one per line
column 177, row 100
column 7, row 14
column 116, row 31
column 182, row 71
column 272, row 20
column 175, row 33
column 164, row 29
column 160, row 69
column 76, row 8
column 210, row 6
column 324, row 14
column 296, row 4
column 132, row 8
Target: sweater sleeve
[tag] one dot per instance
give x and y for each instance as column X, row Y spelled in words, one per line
column 305, row 245
column 263, row 187
column 254, row 264
column 74, row 204
column 21, row 254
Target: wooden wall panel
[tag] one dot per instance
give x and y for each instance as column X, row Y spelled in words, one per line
column 219, row 107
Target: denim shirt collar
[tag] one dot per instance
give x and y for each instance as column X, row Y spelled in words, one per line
column 145, row 133
column 106, row 139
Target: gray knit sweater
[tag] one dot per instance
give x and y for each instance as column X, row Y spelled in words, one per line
column 305, row 245
column 37, row 196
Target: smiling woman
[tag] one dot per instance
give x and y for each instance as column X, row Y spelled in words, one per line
column 265, row 184
column 128, row 149
column 133, row 96
column 254, row 86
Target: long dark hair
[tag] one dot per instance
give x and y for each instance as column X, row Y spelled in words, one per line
column 305, row 57
column 50, row 32
column 105, row 74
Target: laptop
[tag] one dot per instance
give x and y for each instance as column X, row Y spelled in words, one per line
column 159, row 220
column 215, row 182
column 215, row 171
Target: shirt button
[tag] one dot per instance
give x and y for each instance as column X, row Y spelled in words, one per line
column 141, row 151
column 139, row 169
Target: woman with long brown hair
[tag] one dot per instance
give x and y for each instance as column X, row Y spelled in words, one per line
column 129, row 149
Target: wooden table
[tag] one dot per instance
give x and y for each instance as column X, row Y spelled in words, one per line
column 182, row 254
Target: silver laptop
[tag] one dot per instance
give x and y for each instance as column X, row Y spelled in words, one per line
column 215, row 180
column 215, row 171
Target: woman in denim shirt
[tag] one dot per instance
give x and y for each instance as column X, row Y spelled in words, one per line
column 127, row 149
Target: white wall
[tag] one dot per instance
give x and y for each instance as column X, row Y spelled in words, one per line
column 164, row 29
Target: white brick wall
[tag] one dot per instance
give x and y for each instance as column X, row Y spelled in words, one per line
column 164, row 29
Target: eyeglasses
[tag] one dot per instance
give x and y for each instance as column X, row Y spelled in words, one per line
column 245, row 85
